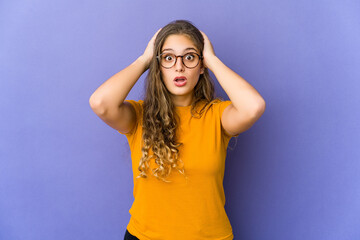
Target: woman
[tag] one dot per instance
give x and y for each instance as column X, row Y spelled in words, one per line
column 178, row 134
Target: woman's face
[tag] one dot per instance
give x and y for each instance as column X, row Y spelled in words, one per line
column 181, row 91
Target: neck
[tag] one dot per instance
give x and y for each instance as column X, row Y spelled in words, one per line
column 182, row 101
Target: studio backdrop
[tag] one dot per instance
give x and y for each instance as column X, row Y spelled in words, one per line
column 65, row 174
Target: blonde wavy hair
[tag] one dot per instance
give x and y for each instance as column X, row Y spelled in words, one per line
column 159, row 118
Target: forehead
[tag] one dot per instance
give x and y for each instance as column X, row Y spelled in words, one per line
column 178, row 43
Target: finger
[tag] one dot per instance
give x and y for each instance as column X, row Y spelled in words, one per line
column 158, row 31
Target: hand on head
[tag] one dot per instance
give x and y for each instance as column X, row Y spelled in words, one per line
column 149, row 51
column 208, row 49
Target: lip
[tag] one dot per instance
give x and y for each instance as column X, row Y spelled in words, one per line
column 180, row 84
column 180, row 77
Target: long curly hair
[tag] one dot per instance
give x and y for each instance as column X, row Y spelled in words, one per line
column 160, row 121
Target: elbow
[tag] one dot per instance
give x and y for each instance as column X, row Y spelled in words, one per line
column 96, row 105
column 94, row 102
column 260, row 108
column 262, row 105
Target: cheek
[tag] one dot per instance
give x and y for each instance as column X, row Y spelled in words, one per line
column 165, row 76
column 196, row 74
column 163, row 72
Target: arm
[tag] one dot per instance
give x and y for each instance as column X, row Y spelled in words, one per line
column 247, row 104
column 108, row 100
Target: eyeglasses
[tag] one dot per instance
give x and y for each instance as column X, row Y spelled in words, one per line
column 168, row 60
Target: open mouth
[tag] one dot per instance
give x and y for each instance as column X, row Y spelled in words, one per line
column 180, row 81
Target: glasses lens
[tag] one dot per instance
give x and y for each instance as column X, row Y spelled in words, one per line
column 167, row 60
column 191, row 60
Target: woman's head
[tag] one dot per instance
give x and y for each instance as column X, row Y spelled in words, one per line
column 180, row 58
column 178, row 36
column 160, row 120
column 179, row 27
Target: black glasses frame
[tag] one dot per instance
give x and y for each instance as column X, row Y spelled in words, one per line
column 182, row 59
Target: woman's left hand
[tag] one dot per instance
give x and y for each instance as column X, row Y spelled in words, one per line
column 208, row 51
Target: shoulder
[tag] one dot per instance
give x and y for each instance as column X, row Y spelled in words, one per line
column 137, row 105
column 221, row 104
column 214, row 108
column 217, row 105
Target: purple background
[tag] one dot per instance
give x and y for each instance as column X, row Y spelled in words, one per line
column 65, row 174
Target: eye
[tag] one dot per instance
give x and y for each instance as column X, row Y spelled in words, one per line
column 189, row 56
column 168, row 57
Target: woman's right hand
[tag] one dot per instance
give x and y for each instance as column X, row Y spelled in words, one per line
column 149, row 51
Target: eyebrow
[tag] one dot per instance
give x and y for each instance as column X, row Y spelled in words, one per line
column 170, row 49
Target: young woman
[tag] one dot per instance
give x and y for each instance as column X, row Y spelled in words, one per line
column 178, row 135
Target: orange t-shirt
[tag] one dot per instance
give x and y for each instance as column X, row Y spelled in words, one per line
column 191, row 208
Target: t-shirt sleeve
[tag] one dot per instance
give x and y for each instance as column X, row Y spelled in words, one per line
column 138, row 110
column 222, row 106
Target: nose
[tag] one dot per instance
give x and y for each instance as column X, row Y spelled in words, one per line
column 179, row 66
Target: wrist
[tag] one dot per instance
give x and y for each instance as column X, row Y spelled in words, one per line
column 211, row 61
column 144, row 60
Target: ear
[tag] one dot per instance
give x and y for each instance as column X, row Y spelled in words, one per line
column 202, row 68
